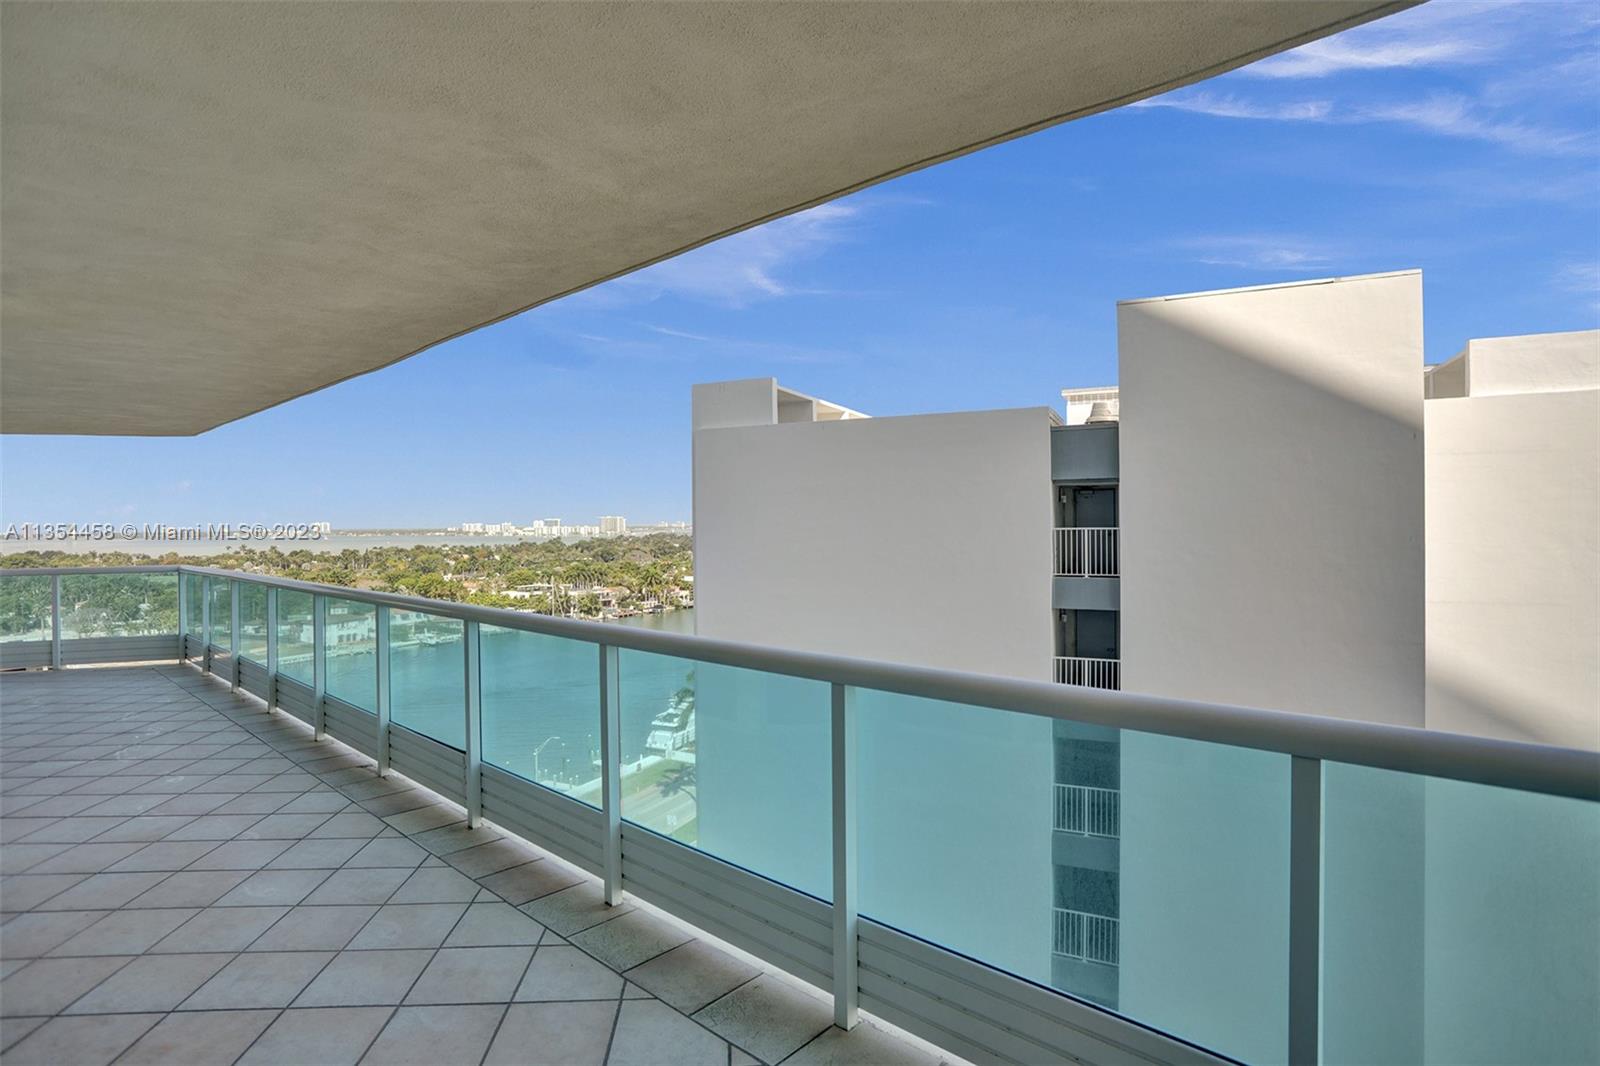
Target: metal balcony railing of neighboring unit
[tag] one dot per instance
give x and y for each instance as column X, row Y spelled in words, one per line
column 1090, row 937
column 1095, row 812
column 464, row 699
column 1086, row 551
column 1093, row 673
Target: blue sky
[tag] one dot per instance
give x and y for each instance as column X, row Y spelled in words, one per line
column 1461, row 138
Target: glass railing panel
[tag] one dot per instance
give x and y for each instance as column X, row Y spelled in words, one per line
column 220, row 590
column 1461, row 922
column 296, row 636
column 541, row 709
column 193, row 604
column 351, row 645
column 736, row 763
column 24, row 608
column 427, row 676
column 1173, row 912
column 253, row 621
column 118, row 605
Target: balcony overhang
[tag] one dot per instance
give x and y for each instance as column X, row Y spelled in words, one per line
column 210, row 209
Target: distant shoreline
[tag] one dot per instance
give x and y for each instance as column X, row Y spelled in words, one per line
column 344, row 540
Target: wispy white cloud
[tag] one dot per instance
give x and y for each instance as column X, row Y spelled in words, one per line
column 750, row 266
column 1581, row 278
column 1335, row 54
column 1455, row 116
column 1233, row 106
column 1433, row 35
column 1443, row 114
column 1257, row 251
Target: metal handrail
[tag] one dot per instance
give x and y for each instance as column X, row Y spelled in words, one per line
column 1528, row 767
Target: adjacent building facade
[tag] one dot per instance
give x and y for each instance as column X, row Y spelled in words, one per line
column 1276, row 507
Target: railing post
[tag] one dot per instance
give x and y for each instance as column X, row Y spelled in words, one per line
column 319, row 666
column 474, row 733
column 205, row 625
column 1305, row 905
column 183, row 616
column 383, row 689
column 611, row 770
column 55, row 621
column 233, row 633
column 844, row 859
column 272, row 649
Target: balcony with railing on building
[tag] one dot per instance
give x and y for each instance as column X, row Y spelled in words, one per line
column 1088, row 811
column 1086, row 551
column 1092, row 673
column 1086, row 937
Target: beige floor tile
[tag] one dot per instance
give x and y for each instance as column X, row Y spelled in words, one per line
column 630, row 939
column 48, row 986
column 89, row 1041
column 358, row 886
column 531, row 880
column 207, row 1038
column 150, row 983
column 691, row 975
column 494, row 924
column 428, row 1036
column 314, row 929
column 105, row 890
column 329, row 1036
column 650, row 1033
column 219, row 929
column 409, row 925
column 365, row 978
column 567, row 973
column 125, row 932
column 438, row 884
column 28, row 936
column 471, row 975
column 574, row 909
column 267, row 888
column 554, row 1034
column 768, row 1017
column 267, row 979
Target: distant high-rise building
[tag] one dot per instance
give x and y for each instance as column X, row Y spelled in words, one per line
column 613, row 525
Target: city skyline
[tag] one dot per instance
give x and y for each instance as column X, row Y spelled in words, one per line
column 1455, row 138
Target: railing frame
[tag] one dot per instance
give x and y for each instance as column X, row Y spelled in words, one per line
column 1308, row 740
column 1093, row 672
column 1087, row 551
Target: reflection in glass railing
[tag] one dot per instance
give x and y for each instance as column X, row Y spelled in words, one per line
column 296, row 636
column 118, row 605
column 427, row 676
column 253, row 621
column 1461, row 922
column 193, row 604
column 24, row 608
column 220, row 591
column 733, row 762
column 351, row 648
column 541, row 709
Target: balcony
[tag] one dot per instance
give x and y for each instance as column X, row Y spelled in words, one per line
column 1091, row 673
column 1086, row 551
column 1095, row 812
column 1087, row 937
column 321, row 775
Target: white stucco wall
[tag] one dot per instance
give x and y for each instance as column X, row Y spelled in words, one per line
column 1513, row 510
column 1535, row 362
column 921, row 540
column 1272, row 555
